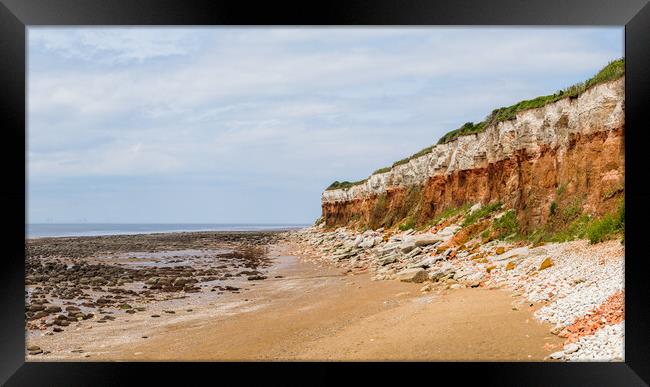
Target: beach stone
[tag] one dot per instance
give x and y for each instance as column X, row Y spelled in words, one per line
column 571, row 348
column 33, row 348
column 427, row 262
column 407, row 247
column 388, row 260
column 427, row 241
column 546, row 263
column 412, row 275
column 440, row 272
column 36, row 308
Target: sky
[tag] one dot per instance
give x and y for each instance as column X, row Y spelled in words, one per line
column 250, row 125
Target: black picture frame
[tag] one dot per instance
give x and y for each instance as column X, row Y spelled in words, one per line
column 17, row 15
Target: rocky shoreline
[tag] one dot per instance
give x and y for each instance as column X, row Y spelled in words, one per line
column 580, row 286
column 74, row 283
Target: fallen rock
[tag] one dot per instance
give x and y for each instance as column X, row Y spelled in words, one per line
column 546, row 263
column 412, row 275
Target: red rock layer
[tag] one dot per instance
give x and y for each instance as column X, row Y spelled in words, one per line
column 591, row 169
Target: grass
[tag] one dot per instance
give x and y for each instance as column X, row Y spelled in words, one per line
column 413, row 156
column 581, row 226
column 448, row 213
column 344, row 184
column 407, row 225
column 506, row 225
column 480, row 213
column 466, row 129
column 607, row 227
column 382, row 170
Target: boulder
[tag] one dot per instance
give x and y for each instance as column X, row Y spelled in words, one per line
column 428, row 240
column 427, row 262
column 441, row 272
column 412, row 275
column 407, row 246
column 388, row 260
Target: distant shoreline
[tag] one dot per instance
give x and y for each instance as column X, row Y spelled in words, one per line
column 70, row 230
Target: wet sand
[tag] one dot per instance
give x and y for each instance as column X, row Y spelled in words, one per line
column 308, row 312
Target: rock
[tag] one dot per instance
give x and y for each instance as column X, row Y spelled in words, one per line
column 511, row 265
column 500, row 250
column 36, row 308
column 447, row 232
column 427, row 262
column 455, row 286
column 406, row 247
column 426, row 288
column 571, row 348
column 441, row 272
column 57, row 329
column 155, row 315
column 546, row 263
column 474, row 208
column 53, row 309
column 388, row 260
column 427, row 241
column 556, row 355
column 368, row 243
column 412, row 275
column 33, row 348
column 257, row 278
column 413, row 253
column 490, row 268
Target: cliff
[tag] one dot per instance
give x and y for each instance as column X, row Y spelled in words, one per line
column 567, row 151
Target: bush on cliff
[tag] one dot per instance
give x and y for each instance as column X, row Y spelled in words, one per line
column 607, row 227
column 344, row 184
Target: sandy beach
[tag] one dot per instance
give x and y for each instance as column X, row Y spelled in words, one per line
column 297, row 309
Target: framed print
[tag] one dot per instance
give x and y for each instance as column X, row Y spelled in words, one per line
column 212, row 188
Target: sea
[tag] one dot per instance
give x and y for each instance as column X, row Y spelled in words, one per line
column 40, row 230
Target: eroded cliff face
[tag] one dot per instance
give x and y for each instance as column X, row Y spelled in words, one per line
column 569, row 150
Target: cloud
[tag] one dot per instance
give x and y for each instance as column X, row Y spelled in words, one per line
column 291, row 107
column 114, row 45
